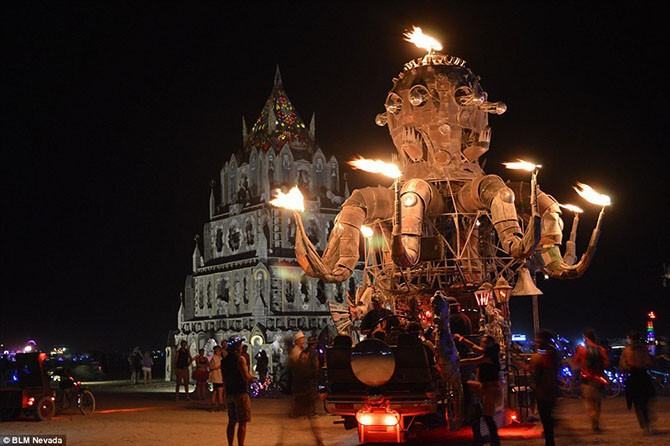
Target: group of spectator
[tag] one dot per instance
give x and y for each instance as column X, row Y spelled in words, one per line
column 227, row 371
column 140, row 364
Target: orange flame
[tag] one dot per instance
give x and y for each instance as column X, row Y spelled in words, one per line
column 590, row 195
column 377, row 166
column 421, row 40
column 522, row 165
column 572, row 207
column 293, row 200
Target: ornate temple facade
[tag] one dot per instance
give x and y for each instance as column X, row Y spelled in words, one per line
column 245, row 279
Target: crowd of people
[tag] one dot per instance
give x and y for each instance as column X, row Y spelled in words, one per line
column 227, row 373
column 481, row 370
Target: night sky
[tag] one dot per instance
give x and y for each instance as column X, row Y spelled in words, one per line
column 116, row 116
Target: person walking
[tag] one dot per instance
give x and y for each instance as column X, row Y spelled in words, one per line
column 147, row 364
column 488, row 386
column 544, row 367
column 592, row 360
column 236, row 379
column 635, row 361
column 201, row 373
column 182, row 360
column 216, row 379
column 304, row 367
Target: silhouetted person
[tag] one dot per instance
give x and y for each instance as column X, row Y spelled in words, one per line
column 369, row 324
column 236, row 378
column 182, row 360
column 635, row 361
column 262, row 362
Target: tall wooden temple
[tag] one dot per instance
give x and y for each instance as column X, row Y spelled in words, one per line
column 245, row 279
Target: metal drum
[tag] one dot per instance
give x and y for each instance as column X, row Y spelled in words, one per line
column 372, row 362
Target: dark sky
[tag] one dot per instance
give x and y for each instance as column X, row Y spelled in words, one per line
column 116, row 115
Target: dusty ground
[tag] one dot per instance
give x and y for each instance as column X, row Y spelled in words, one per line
column 148, row 415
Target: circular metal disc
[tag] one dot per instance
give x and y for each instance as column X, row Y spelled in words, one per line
column 372, row 362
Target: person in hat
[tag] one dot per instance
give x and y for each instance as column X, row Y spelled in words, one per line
column 236, row 379
column 304, row 368
column 300, row 342
column 369, row 325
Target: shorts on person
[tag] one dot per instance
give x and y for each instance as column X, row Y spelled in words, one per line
column 239, row 407
column 182, row 373
column 146, row 369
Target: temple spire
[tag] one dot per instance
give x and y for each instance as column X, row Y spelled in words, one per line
column 244, row 131
column 278, row 78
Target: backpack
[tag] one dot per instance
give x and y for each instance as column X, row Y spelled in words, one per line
column 594, row 360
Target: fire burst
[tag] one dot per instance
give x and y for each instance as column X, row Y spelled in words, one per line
column 522, row 165
column 572, row 207
column 423, row 41
column 293, row 200
column 376, row 166
column 590, row 195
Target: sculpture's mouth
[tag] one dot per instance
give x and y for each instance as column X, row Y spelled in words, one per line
column 413, row 144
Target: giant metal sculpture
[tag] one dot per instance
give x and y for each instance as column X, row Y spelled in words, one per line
column 444, row 225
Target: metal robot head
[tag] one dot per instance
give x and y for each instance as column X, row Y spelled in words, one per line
column 437, row 115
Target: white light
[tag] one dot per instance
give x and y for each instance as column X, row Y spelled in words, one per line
column 590, row 195
column 367, row 231
column 572, row 207
column 421, row 40
column 522, row 165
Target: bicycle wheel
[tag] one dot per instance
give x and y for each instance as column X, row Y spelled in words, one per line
column 87, row 403
column 613, row 389
column 45, row 408
column 613, row 386
column 254, row 389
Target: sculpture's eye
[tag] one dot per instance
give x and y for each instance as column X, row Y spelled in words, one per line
column 464, row 95
column 393, row 103
column 418, row 95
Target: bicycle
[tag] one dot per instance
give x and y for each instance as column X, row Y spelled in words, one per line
column 570, row 387
column 72, row 393
column 269, row 388
column 660, row 381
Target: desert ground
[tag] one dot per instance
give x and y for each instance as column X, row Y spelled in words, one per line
column 149, row 415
